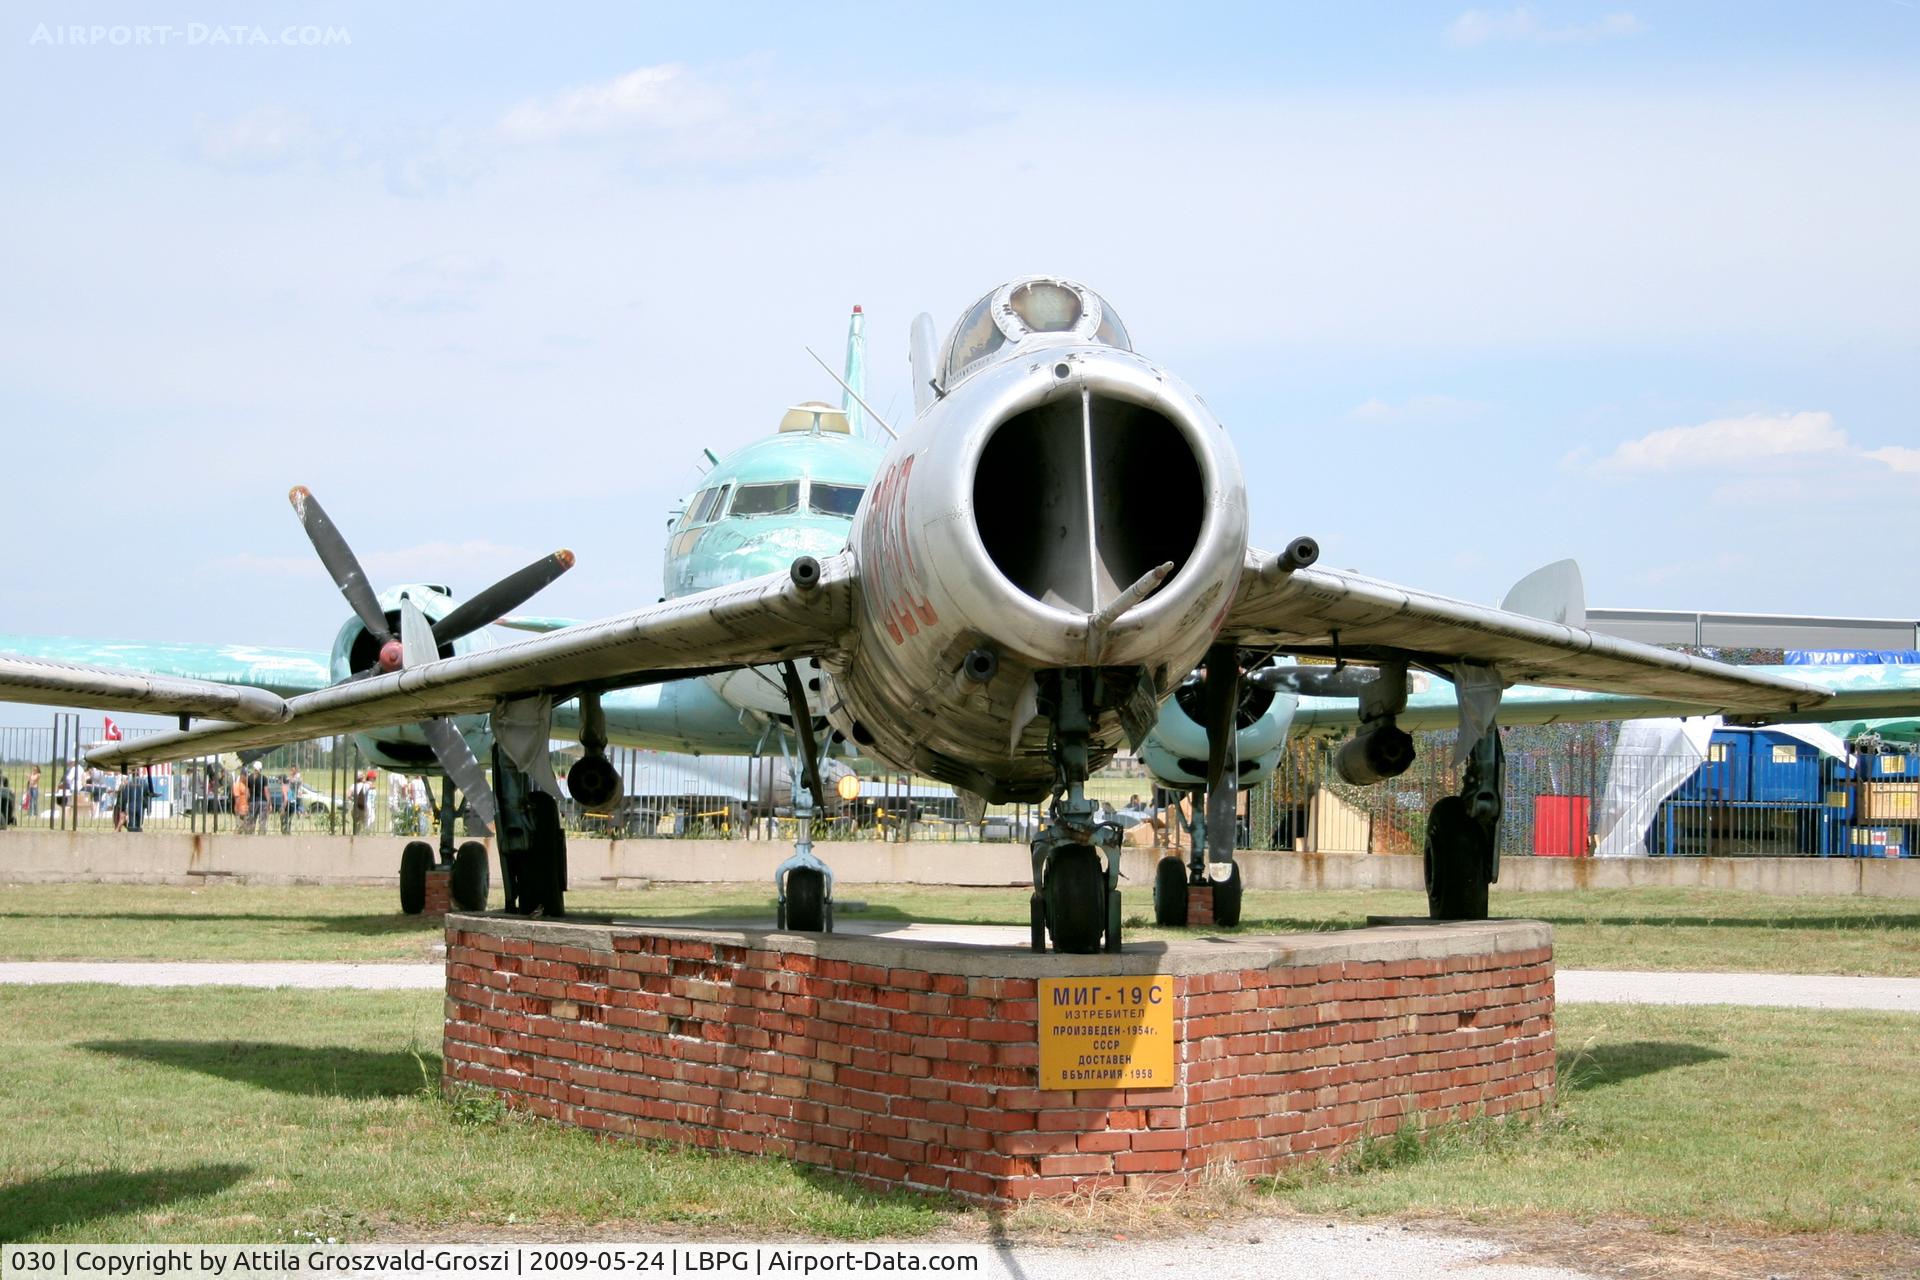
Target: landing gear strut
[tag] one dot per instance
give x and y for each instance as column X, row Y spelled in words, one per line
column 1463, row 850
column 1171, row 877
column 533, row 848
column 1076, row 861
column 803, row 884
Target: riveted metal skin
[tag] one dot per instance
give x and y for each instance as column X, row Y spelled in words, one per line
column 931, row 593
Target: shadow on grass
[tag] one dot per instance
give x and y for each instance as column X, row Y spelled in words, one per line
column 38, row 1206
column 307, row 1070
column 1604, row 1064
column 1784, row 920
column 364, row 924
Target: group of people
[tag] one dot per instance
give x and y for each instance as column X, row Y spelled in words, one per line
column 258, row 800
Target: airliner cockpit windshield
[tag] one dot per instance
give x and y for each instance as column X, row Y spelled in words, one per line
column 1025, row 308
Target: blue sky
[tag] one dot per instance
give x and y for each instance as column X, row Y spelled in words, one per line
column 1474, row 288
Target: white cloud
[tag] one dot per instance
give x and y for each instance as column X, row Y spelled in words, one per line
column 1415, row 409
column 1521, row 25
column 264, row 139
column 1725, row 443
column 1899, row 457
column 664, row 97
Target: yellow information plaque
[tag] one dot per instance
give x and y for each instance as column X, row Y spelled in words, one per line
column 1106, row 1033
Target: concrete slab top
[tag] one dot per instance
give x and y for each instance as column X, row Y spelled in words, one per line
column 1005, row 954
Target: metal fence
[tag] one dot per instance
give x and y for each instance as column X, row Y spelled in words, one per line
column 1565, row 790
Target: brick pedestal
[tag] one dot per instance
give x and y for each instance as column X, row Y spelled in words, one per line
column 439, row 891
column 1199, row 906
column 916, row 1064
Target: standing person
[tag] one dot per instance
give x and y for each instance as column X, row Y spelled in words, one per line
column 130, row 803
column 6, row 804
column 257, row 795
column 293, row 806
column 361, row 802
column 242, row 817
column 33, row 792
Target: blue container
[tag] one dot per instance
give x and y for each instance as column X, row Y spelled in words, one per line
column 1782, row 770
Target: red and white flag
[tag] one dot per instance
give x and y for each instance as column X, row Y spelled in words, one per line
column 111, row 731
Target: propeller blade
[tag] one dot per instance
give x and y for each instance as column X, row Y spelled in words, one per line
column 502, row 598
column 416, row 636
column 340, row 561
column 1222, row 700
column 456, row 760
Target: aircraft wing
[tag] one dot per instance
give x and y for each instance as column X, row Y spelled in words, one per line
column 69, row 684
column 1860, row 694
column 1315, row 610
column 764, row 619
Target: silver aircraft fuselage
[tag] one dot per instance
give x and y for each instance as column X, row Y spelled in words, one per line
column 1016, row 508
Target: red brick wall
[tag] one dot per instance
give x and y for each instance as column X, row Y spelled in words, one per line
column 907, row 1075
column 439, row 892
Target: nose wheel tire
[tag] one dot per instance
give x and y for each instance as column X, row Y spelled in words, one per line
column 1076, row 900
column 1226, row 900
column 1459, row 862
column 1170, row 893
column 414, row 861
column 471, row 880
column 807, row 909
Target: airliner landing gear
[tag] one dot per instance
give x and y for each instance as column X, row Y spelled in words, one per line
column 1463, row 850
column 803, row 884
column 1076, row 861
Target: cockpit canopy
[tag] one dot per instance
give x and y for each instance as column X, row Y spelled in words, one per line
column 1024, row 308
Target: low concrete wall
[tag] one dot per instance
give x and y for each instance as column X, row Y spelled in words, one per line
column 31, row 856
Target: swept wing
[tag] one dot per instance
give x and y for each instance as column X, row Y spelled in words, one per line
column 1315, row 610
column 762, row 620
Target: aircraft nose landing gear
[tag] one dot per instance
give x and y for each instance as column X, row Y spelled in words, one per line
column 1076, row 861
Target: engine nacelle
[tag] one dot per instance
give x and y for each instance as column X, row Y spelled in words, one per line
column 1378, row 751
column 1176, row 751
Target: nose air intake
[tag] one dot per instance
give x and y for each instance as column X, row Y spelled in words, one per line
column 1077, row 498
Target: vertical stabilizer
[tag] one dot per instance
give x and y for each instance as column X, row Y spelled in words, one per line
column 856, row 375
column 920, row 357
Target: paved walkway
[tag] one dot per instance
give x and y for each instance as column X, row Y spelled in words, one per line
column 1573, row 986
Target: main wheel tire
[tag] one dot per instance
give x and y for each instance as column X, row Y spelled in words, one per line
column 1457, row 863
column 1226, row 900
column 1170, row 893
column 414, row 861
column 1076, row 894
column 806, row 900
column 1037, row 920
column 471, row 881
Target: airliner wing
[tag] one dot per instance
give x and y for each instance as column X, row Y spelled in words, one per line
column 765, row 619
column 1317, row 610
column 71, row 684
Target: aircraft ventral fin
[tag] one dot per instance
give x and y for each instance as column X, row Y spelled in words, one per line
column 761, row 620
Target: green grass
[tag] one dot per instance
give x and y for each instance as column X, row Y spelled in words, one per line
column 1784, row 1119
column 220, row 1114
column 223, row 1114
column 1669, row 929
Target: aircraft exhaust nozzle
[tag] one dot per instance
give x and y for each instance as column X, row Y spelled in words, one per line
column 1104, row 502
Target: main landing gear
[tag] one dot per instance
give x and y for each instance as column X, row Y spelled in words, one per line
column 470, row 880
column 1462, row 850
column 1076, row 860
column 1172, row 877
column 803, row 884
